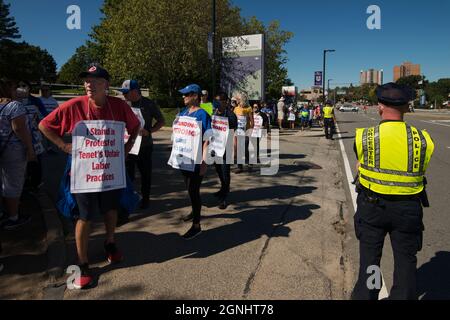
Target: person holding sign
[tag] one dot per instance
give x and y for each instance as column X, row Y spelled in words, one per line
column 94, row 108
column 244, row 114
column 223, row 121
column 261, row 126
column 143, row 160
column 188, row 130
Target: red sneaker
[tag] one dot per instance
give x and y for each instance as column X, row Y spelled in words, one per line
column 85, row 279
column 113, row 254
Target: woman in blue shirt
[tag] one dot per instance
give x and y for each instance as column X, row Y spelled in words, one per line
column 193, row 180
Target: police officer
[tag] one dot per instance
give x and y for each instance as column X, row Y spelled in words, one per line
column 329, row 120
column 392, row 160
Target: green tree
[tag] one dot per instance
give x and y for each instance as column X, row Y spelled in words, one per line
column 79, row 62
column 412, row 81
column 438, row 92
column 276, row 55
column 163, row 44
column 8, row 28
column 26, row 62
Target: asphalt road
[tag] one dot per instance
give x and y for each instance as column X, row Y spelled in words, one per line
column 434, row 259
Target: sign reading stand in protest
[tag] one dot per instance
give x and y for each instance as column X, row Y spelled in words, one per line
column 98, row 157
column 220, row 131
column 187, row 141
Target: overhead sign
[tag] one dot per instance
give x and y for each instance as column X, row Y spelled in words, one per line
column 243, row 65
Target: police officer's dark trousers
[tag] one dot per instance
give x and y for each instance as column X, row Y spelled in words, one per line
column 403, row 221
column 144, row 163
column 329, row 128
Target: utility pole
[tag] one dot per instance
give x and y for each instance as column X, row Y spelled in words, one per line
column 213, row 49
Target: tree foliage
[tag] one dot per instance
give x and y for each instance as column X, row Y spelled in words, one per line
column 8, row 28
column 83, row 57
column 26, row 62
column 163, row 44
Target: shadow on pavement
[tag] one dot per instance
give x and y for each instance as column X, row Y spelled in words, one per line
column 141, row 248
column 433, row 278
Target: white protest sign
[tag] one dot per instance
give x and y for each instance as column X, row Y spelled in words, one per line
column 291, row 117
column 242, row 125
column 258, row 126
column 220, row 129
column 137, row 143
column 98, row 156
column 187, row 139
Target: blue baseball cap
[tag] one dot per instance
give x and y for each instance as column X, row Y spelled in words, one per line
column 129, row 85
column 192, row 88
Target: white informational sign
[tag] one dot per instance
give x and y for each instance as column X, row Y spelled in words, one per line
column 258, row 127
column 291, row 117
column 221, row 130
column 244, row 67
column 187, row 139
column 98, row 157
column 242, row 125
column 137, row 143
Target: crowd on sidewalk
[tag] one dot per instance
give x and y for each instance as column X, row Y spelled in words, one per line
column 31, row 127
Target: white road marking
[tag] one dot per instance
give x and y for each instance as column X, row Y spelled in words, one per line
column 435, row 122
column 383, row 292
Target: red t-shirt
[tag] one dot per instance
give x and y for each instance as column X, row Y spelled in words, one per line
column 64, row 119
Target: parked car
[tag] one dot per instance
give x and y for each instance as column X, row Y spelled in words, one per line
column 349, row 108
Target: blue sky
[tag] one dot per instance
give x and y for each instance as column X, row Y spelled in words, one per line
column 416, row 31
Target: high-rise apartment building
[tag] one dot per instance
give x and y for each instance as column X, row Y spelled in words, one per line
column 405, row 70
column 371, row 76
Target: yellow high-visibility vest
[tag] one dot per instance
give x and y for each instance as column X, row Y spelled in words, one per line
column 208, row 107
column 393, row 158
column 328, row 112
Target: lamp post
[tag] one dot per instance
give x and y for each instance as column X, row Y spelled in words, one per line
column 213, row 48
column 324, row 71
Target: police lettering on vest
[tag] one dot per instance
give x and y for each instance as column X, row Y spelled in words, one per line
column 394, row 157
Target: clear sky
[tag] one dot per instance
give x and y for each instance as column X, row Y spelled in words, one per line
column 411, row 30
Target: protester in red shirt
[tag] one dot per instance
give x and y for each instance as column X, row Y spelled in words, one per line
column 96, row 105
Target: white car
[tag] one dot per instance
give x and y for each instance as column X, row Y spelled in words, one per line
column 349, row 108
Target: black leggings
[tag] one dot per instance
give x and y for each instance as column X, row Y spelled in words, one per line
column 193, row 181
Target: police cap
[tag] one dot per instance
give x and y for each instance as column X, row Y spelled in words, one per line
column 393, row 94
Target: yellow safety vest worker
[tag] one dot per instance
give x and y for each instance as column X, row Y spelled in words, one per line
column 328, row 112
column 208, row 107
column 393, row 158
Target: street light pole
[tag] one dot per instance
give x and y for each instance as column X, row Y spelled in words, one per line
column 213, row 49
column 328, row 90
column 324, row 71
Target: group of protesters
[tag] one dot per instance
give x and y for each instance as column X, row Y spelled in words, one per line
column 22, row 146
column 306, row 115
column 31, row 126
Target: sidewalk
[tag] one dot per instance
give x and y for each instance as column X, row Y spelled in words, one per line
column 287, row 236
column 34, row 256
column 282, row 237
